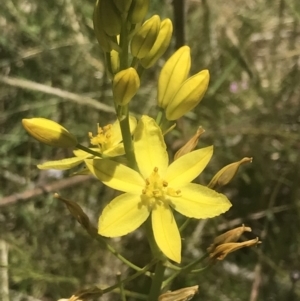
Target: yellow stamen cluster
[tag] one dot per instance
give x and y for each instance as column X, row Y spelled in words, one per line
column 103, row 139
column 157, row 190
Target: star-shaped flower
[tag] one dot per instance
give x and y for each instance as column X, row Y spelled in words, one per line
column 156, row 190
column 107, row 142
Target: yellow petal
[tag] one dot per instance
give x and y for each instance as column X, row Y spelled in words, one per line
column 166, row 232
column 150, row 147
column 114, row 151
column 116, row 175
column 61, row 164
column 116, row 130
column 122, row 215
column 188, row 167
column 84, row 154
column 198, row 201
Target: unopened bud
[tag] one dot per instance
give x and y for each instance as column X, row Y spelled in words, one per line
column 145, row 37
column 172, row 75
column 229, row 236
column 123, row 5
column 161, row 44
column 125, row 85
column 226, row 174
column 183, row 294
column 106, row 42
column 221, row 251
column 138, row 11
column 226, row 243
column 110, row 18
column 49, row 132
column 190, row 145
column 188, row 96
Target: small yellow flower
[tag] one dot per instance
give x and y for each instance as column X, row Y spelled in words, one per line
column 107, row 142
column 157, row 189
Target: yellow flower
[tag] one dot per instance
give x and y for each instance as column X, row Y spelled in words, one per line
column 156, row 190
column 107, row 142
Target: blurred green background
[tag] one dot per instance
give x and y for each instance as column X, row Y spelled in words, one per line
column 51, row 66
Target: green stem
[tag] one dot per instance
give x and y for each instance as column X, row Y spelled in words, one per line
column 123, row 117
column 121, row 287
column 188, row 268
column 159, row 116
column 88, row 150
column 124, row 46
column 137, row 274
column 157, row 282
column 115, row 253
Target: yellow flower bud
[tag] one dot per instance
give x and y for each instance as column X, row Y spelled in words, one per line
column 115, row 61
column 188, row 96
column 172, row 75
column 226, row 174
column 144, row 39
column 106, row 42
column 123, row 5
column 161, row 44
column 110, row 17
column 125, row 85
column 49, row 132
column 138, row 11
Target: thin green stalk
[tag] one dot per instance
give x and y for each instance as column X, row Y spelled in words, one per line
column 159, row 116
column 124, row 46
column 88, row 150
column 121, row 287
column 185, row 269
column 157, row 282
column 119, row 256
column 137, row 274
column 123, row 117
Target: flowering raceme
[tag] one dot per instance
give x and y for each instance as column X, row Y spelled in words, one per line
column 156, row 189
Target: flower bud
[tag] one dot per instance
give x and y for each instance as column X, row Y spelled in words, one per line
column 125, row 85
column 226, row 174
column 49, row 132
column 123, row 5
column 110, row 18
column 172, row 75
column 144, row 39
column 226, row 243
column 190, row 145
column 221, row 251
column 114, row 61
column 106, row 42
column 138, row 11
column 161, row 44
column 188, row 96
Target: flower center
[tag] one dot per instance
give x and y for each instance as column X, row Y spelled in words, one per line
column 103, row 139
column 156, row 191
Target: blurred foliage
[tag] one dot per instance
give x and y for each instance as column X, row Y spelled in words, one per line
column 251, row 109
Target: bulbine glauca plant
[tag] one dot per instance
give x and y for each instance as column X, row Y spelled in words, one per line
column 131, row 155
